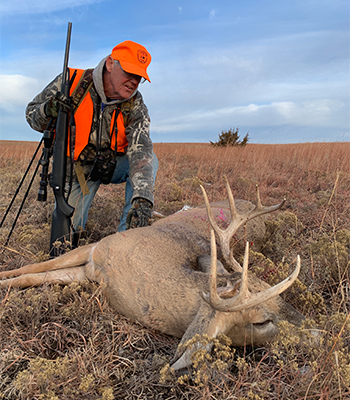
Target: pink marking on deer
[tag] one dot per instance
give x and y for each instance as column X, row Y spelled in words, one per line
column 222, row 215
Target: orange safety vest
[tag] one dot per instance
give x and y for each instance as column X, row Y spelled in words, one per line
column 83, row 120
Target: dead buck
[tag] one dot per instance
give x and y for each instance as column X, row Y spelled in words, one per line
column 164, row 277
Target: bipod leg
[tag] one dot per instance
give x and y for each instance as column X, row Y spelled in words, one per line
column 22, row 204
column 20, row 184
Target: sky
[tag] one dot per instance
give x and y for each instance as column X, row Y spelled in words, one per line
column 276, row 69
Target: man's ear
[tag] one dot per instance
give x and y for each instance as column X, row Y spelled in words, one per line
column 109, row 63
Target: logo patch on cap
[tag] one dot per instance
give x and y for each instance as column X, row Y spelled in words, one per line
column 142, row 56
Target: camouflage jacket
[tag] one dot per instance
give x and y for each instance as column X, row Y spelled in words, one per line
column 140, row 148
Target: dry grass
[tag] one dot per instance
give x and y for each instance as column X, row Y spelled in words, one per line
column 66, row 343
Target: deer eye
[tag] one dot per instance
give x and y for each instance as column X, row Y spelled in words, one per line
column 261, row 325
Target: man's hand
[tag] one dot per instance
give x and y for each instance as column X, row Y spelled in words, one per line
column 140, row 214
column 54, row 103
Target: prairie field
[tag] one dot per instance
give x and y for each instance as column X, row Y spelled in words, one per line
column 67, row 343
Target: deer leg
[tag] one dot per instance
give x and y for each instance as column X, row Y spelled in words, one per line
column 206, row 322
column 60, row 276
column 74, row 258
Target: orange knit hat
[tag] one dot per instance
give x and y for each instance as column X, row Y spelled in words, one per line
column 132, row 57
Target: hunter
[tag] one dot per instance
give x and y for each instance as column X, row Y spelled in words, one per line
column 111, row 141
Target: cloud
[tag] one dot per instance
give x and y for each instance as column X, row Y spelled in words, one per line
column 180, row 10
column 313, row 113
column 212, row 13
column 310, row 113
column 15, row 90
column 262, row 83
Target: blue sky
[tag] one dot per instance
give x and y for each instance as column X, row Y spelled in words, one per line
column 278, row 69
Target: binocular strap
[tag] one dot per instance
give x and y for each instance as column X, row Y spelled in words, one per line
column 81, row 178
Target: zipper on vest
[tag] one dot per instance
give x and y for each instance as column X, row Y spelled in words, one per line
column 99, row 138
column 115, row 130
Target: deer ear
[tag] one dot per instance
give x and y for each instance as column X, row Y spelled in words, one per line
column 231, row 290
column 204, row 262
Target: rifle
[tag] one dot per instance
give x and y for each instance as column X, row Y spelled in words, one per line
column 61, row 216
column 61, row 223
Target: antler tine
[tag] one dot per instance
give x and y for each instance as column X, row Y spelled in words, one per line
column 259, row 209
column 212, row 297
column 243, row 291
column 245, row 299
column 225, row 235
column 231, row 200
column 234, row 215
column 237, row 220
column 209, row 213
column 258, row 201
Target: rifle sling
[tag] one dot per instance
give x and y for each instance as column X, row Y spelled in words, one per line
column 82, row 88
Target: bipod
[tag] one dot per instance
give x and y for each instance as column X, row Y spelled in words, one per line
column 17, row 191
column 44, row 162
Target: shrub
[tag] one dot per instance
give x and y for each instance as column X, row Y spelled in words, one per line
column 230, row 138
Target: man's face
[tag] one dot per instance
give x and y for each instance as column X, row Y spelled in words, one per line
column 118, row 84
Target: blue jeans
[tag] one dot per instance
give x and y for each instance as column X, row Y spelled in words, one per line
column 82, row 203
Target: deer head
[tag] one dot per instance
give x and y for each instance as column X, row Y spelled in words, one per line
column 246, row 309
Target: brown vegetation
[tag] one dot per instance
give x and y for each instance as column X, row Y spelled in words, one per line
column 66, row 343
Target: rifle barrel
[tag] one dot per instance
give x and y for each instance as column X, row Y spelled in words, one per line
column 66, row 55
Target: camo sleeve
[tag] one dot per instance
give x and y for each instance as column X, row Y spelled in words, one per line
column 35, row 114
column 140, row 151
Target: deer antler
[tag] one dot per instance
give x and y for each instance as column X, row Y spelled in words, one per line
column 244, row 299
column 237, row 220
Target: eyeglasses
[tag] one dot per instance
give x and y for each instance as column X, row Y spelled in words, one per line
column 130, row 76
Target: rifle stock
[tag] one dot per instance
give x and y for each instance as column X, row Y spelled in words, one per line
column 61, row 217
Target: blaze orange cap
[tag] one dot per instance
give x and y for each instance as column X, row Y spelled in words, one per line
column 132, row 57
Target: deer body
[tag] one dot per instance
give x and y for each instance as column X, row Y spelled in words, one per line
column 152, row 275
